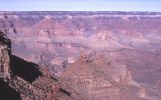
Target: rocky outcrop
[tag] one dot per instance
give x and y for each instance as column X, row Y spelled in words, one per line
column 99, row 78
column 5, row 51
column 22, row 80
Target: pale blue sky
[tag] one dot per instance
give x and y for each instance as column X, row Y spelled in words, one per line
column 80, row 5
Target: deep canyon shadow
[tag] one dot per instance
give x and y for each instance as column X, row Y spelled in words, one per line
column 7, row 93
column 24, row 69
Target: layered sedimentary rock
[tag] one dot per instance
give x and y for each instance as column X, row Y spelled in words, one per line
column 131, row 39
column 55, row 38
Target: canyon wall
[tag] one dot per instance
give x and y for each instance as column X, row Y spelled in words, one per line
column 56, row 39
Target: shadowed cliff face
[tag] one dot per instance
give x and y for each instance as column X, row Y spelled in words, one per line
column 8, row 93
column 26, row 70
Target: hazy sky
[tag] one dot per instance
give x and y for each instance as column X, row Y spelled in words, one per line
column 80, row 5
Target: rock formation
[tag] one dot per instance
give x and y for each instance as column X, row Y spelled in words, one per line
column 129, row 40
column 5, row 51
column 45, row 37
column 22, row 80
column 90, row 78
column 97, row 78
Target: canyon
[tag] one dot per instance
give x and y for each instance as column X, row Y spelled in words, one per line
column 92, row 55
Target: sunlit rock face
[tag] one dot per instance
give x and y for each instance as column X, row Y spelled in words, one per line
column 5, row 51
column 100, row 78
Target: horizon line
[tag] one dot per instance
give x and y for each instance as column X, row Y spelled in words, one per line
column 72, row 11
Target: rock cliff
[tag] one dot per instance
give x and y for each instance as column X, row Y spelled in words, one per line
column 22, row 80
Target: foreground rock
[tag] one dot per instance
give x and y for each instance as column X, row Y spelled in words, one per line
column 22, row 80
column 99, row 78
